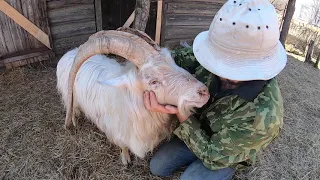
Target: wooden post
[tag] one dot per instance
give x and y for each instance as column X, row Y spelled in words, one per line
column 309, row 51
column 24, row 23
column 282, row 18
column 129, row 20
column 97, row 5
column 159, row 22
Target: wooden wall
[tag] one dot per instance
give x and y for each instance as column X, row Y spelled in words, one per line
column 17, row 46
column 116, row 12
column 71, row 23
column 184, row 19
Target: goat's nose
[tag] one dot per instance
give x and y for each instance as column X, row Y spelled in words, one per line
column 203, row 91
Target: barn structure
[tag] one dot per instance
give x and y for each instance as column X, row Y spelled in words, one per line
column 38, row 30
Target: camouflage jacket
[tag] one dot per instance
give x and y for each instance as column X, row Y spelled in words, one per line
column 230, row 130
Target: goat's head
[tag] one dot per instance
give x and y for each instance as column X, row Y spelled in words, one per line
column 172, row 84
column 157, row 70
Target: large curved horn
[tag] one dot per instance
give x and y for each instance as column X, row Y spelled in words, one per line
column 136, row 32
column 142, row 35
column 123, row 44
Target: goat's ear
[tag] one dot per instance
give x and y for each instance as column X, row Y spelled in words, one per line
column 121, row 81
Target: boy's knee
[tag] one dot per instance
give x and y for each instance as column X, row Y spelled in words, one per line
column 158, row 168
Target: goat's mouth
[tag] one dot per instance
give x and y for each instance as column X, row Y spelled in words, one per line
column 197, row 104
column 187, row 106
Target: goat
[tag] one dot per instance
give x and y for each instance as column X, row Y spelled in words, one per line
column 110, row 94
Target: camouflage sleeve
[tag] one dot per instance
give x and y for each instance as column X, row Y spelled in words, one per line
column 185, row 58
column 226, row 148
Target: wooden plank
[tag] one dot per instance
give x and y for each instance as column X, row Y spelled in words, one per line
column 26, row 56
column 41, row 57
column 35, row 15
column 98, row 15
column 163, row 23
column 25, row 23
column 66, row 3
column 188, row 20
column 203, row 8
column 23, row 36
column 130, row 19
column 173, row 43
column 6, row 38
column 61, row 46
column 82, row 12
column 73, row 29
column 159, row 22
column 30, row 40
column 13, row 30
column 184, row 32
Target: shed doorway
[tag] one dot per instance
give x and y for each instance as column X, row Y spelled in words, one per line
column 116, row 12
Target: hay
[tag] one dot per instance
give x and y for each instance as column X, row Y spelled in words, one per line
column 34, row 145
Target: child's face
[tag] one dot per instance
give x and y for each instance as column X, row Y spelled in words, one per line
column 229, row 84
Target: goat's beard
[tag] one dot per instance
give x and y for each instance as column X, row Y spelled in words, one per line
column 186, row 108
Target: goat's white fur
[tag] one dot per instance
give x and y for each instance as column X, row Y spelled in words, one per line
column 114, row 104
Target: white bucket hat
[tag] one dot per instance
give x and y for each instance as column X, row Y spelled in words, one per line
column 243, row 42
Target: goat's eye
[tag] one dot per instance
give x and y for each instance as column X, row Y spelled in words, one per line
column 154, row 82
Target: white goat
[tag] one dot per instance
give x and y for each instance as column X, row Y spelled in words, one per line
column 111, row 94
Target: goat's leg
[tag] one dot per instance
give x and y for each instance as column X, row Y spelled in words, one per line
column 74, row 115
column 125, row 156
column 67, row 122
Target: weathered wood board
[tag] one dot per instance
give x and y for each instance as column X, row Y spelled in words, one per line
column 14, row 39
column 184, row 19
column 71, row 22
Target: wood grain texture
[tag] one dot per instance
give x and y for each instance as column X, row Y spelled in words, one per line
column 81, row 12
column 72, row 22
column 24, row 23
column 183, row 32
column 26, row 57
column 62, row 45
column 172, row 43
column 13, row 38
column 159, row 21
column 184, row 19
column 197, row 8
column 188, row 20
column 54, row 4
column 98, row 10
column 74, row 29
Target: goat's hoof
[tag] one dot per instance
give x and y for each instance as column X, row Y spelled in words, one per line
column 125, row 157
column 74, row 122
column 66, row 126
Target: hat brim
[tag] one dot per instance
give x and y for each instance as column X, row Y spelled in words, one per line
column 238, row 65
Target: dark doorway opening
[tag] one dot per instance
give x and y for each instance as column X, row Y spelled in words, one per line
column 116, row 12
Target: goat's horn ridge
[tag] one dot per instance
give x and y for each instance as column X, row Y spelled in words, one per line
column 142, row 35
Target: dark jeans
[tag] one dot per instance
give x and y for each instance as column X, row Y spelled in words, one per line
column 175, row 154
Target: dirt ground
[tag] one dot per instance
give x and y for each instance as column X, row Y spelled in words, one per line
column 34, row 145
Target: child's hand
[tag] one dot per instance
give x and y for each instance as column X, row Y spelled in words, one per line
column 151, row 103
